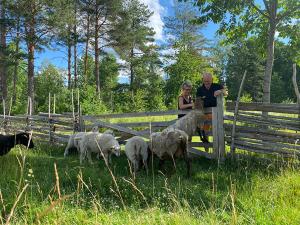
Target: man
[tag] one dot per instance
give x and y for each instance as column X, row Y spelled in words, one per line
column 208, row 93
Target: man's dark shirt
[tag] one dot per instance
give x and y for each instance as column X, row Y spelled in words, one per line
column 208, row 94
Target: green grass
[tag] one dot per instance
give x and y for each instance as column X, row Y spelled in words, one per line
column 240, row 192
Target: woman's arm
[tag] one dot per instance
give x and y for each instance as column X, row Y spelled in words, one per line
column 183, row 106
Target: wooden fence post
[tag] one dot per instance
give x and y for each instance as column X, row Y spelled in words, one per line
column 236, row 111
column 218, row 130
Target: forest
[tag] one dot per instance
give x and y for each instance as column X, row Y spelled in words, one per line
column 104, row 40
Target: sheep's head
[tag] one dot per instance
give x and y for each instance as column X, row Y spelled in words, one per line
column 111, row 144
column 25, row 139
column 176, row 136
column 116, row 149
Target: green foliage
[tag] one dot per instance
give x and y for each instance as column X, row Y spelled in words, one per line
column 244, row 57
column 91, row 103
column 246, row 98
column 51, row 80
column 188, row 66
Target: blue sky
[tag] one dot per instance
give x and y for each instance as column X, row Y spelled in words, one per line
column 161, row 9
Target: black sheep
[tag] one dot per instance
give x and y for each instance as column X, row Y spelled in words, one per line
column 7, row 142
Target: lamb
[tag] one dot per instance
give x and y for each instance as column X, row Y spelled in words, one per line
column 73, row 142
column 7, row 142
column 170, row 143
column 98, row 143
column 136, row 150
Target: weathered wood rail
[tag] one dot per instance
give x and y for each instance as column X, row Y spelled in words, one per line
column 275, row 134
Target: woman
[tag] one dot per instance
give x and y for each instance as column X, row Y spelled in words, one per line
column 185, row 100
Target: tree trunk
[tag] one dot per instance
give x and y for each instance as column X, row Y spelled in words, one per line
column 75, row 60
column 69, row 46
column 75, row 49
column 270, row 53
column 97, row 72
column 86, row 49
column 31, row 48
column 131, row 70
column 15, row 78
column 3, row 63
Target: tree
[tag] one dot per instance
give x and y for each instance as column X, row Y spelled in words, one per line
column 132, row 35
column 36, row 23
column 188, row 44
column 109, row 69
column 3, row 61
column 182, row 33
column 51, row 80
column 188, row 66
column 244, row 57
column 65, row 18
column 102, row 15
column 247, row 17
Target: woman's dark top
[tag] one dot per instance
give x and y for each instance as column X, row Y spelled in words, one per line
column 185, row 102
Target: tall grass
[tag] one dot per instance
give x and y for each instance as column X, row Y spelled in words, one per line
column 58, row 190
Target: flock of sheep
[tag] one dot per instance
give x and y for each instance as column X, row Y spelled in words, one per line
column 173, row 142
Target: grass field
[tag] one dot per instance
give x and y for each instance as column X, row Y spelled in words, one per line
column 240, row 192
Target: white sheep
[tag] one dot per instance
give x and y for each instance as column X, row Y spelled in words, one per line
column 136, row 150
column 170, row 143
column 73, row 141
column 189, row 123
column 98, row 143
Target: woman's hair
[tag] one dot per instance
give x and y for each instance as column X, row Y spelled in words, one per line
column 186, row 84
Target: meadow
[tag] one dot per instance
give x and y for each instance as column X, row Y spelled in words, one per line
column 41, row 186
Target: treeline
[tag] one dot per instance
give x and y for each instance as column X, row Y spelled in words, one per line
column 97, row 34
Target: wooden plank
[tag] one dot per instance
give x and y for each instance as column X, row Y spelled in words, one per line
column 265, row 147
column 283, row 118
column 250, row 149
column 263, row 131
column 269, row 143
column 255, row 106
column 218, row 130
column 200, row 153
column 262, row 122
column 201, row 144
column 265, row 137
column 119, row 128
column 128, row 115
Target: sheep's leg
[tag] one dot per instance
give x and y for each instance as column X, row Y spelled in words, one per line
column 187, row 160
column 160, row 164
column 109, row 158
column 146, row 166
column 66, row 151
column 89, row 155
column 82, row 155
column 136, row 166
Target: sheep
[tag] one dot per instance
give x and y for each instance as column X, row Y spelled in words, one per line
column 170, row 143
column 99, row 143
column 189, row 123
column 73, row 142
column 136, row 150
column 7, row 142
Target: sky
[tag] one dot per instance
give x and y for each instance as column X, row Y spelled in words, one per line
column 160, row 8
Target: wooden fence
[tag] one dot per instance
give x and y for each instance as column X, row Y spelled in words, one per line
column 277, row 133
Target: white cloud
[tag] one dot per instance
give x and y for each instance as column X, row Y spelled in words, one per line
column 156, row 19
